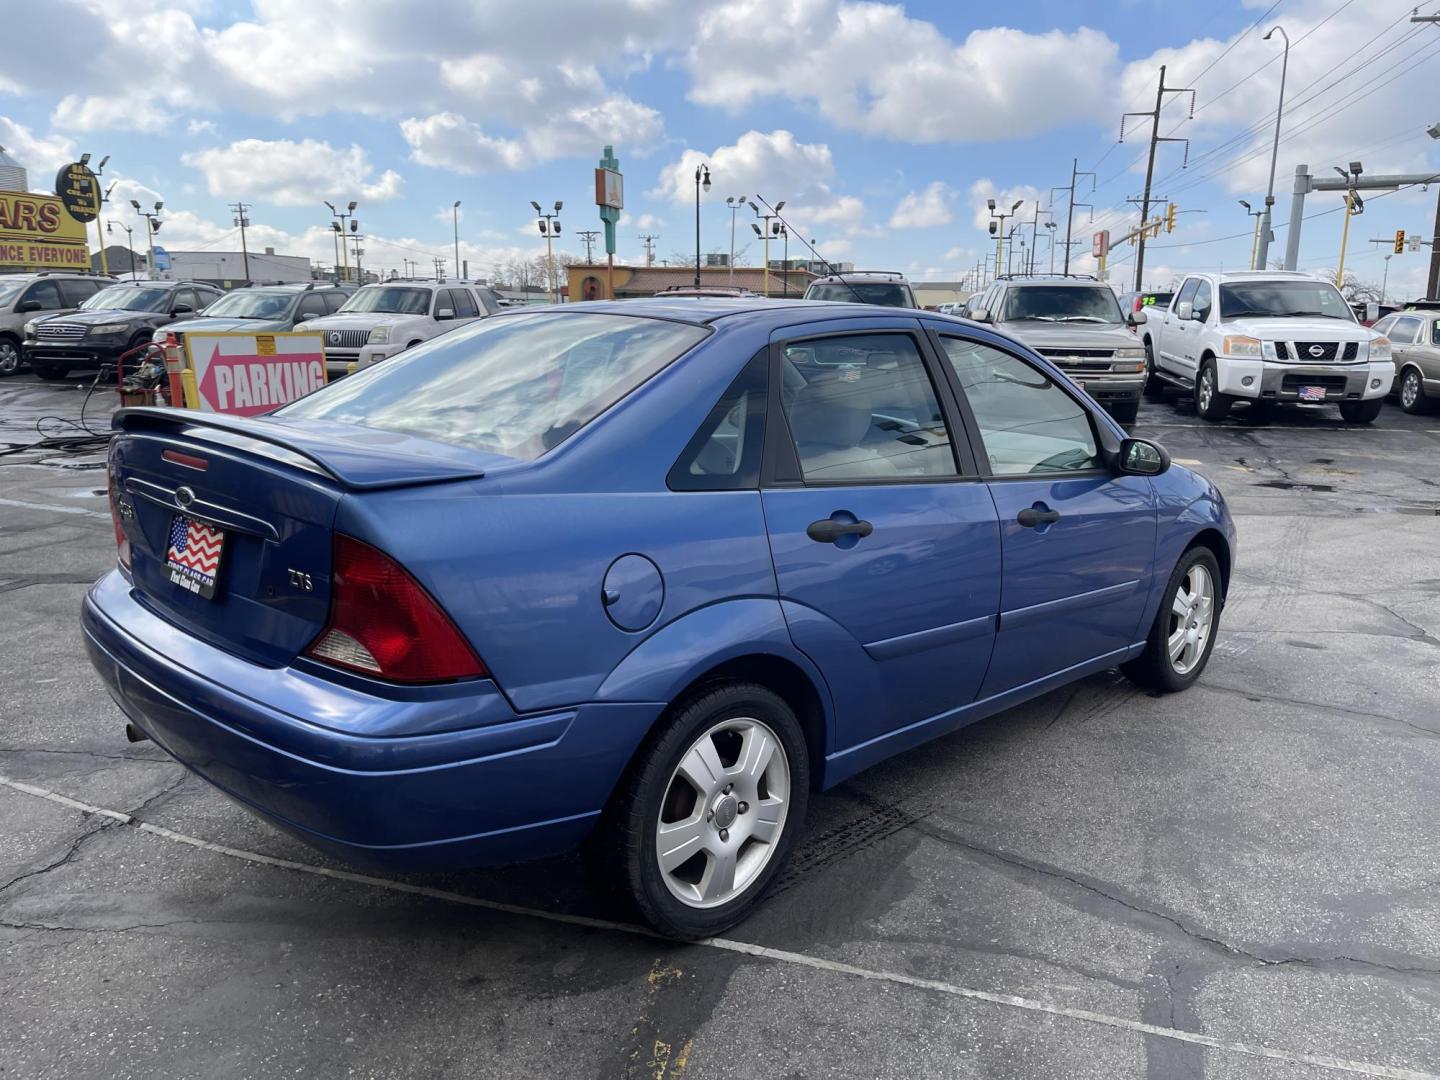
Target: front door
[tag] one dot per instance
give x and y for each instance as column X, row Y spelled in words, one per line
column 1078, row 541
column 887, row 554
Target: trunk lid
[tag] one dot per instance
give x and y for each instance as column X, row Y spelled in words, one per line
column 273, row 489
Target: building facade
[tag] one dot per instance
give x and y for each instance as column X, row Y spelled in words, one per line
column 591, row 281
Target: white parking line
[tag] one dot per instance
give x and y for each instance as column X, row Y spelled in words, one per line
column 784, row 956
column 55, row 509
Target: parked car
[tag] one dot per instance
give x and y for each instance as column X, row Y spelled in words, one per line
column 24, row 297
column 1266, row 337
column 111, row 325
column 635, row 576
column 378, row 321
column 1077, row 324
column 1415, row 349
column 885, row 288
column 258, row 309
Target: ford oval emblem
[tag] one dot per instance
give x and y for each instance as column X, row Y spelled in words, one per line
column 1317, row 351
column 184, row 496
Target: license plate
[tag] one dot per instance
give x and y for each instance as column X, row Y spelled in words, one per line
column 193, row 557
column 1312, row 393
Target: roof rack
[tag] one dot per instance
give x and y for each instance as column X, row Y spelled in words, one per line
column 70, row 273
column 1046, row 277
column 893, row 275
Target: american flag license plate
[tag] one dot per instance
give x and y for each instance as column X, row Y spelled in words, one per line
column 193, row 555
column 1312, row 393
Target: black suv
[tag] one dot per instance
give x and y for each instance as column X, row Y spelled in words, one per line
column 110, row 324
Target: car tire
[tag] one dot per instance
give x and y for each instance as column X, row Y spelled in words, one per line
column 10, row 356
column 1412, row 392
column 737, row 721
column 1154, row 385
column 1210, row 404
column 1124, row 412
column 1360, row 412
column 53, row 372
column 1159, row 667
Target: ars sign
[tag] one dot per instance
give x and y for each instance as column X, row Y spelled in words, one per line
column 249, row 374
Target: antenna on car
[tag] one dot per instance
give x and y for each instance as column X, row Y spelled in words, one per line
column 829, row 266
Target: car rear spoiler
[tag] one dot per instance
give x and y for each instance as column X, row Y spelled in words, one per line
column 357, row 458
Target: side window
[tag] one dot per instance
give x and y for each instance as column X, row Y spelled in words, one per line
column 1186, row 293
column 861, row 407
column 312, row 306
column 1384, row 325
column 1202, row 302
column 1027, row 422
column 333, row 300
column 1404, row 331
column 47, row 293
column 182, row 297
column 76, row 292
column 725, row 453
column 465, row 306
column 1435, row 332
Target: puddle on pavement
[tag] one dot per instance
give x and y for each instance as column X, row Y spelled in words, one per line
column 1293, row 485
column 1418, row 511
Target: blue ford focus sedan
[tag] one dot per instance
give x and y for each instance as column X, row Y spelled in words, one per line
column 635, row 578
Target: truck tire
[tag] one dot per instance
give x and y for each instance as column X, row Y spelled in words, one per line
column 1154, row 385
column 1210, row 404
column 1360, row 412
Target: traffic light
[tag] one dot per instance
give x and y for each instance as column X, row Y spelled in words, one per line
column 992, row 228
column 1399, row 241
column 1170, row 218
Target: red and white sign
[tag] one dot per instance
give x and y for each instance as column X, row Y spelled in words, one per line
column 1100, row 243
column 250, row 374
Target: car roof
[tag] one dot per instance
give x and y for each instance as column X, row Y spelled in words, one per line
column 705, row 310
column 1064, row 282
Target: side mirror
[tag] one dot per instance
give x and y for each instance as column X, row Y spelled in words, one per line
column 444, row 313
column 181, row 309
column 1185, row 310
column 30, row 305
column 980, row 315
column 1138, row 318
column 1141, row 457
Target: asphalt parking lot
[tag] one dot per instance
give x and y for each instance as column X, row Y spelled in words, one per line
column 1240, row 881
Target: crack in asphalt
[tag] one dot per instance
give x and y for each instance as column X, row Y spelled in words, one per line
column 71, row 851
column 1422, row 634
column 1122, row 898
column 46, row 579
column 165, row 792
column 86, row 753
column 1324, row 706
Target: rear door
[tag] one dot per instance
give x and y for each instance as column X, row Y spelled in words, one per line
column 885, row 544
column 1078, row 542
column 1176, row 334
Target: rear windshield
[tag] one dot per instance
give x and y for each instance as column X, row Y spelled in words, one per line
column 862, row 292
column 1061, row 303
column 516, row 385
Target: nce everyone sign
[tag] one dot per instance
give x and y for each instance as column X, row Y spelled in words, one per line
column 249, row 374
column 38, row 233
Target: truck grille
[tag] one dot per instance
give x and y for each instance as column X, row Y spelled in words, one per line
column 1324, row 351
column 1085, row 354
column 59, row 331
column 344, row 339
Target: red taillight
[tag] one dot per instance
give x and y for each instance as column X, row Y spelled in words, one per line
column 382, row 623
column 122, row 542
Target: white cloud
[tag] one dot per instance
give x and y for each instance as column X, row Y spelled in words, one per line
column 449, row 141
column 200, row 127
column 292, row 173
column 868, row 67
column 107, row 112
column 919, row 209
column 641, row 221
column 42, row 155
column 775, row 165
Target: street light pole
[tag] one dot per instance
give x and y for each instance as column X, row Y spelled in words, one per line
column 1263, row 247
column 734, row 202
column 765, row 233
column 1385, row 280
column 1353, row 205
column 152, row 226
column 455, row 212
column 129, row 243
column 549, row 228
column 702, row 178
column 1257, row 215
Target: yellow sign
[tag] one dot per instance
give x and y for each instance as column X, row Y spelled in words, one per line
column 38, row 233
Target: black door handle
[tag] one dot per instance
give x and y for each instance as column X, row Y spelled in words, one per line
column 1030, row 517
column 828, row 530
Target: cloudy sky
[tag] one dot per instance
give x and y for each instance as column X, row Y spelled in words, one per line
column 884, row 126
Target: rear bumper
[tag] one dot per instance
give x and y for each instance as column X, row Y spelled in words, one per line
column 511, row 788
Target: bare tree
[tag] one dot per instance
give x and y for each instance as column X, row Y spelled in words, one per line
column 1355, row 290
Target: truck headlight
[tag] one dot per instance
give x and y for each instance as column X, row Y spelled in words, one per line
column 1247, row 348
column 1380, row 349
column 30, row 329
column 1129, row 354
column 379, row 336
column 100, row 329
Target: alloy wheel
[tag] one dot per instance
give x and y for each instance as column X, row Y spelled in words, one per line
column 1409, row 388
column 1207, row 388
column 9, row 358
column 723, row 813
column 1192, row 616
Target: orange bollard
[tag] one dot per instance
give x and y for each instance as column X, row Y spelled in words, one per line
column 174, row 365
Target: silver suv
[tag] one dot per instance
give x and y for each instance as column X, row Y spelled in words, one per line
column 1075, row 323
column 25, row 296
column 886, row 288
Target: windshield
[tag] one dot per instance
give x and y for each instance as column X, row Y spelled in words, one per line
column 516, row 385
column 389, row 298
column 886, row 294
column 128, row 298
column 1061, row 303
column 1283, row 298
column 252, row 305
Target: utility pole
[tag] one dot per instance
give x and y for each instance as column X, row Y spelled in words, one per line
column 1155, row 140
column 1075, row 174
column 588, row 237
column 241, row 220
column 1354, row 206
column 648, row 240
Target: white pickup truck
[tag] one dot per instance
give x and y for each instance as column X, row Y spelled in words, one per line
column 1265, row 337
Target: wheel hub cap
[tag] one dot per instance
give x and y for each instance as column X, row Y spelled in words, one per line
column 725, row 811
